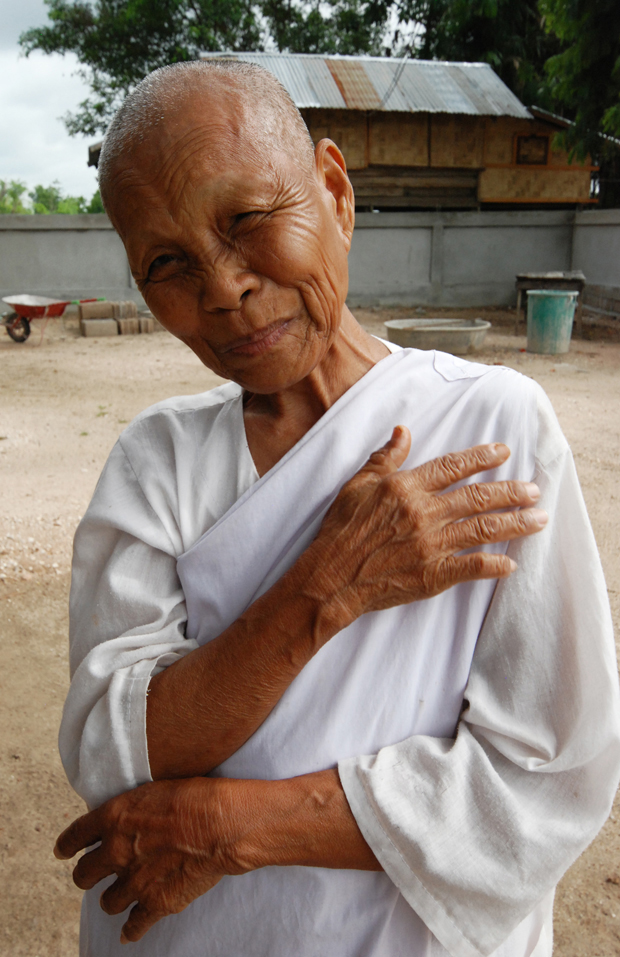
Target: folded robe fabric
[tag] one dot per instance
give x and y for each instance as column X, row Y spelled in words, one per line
column 477, row 768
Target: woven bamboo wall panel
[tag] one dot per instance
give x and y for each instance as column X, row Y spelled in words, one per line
column 499, row 138
column 347, row 128
column 528, row 184
column 457, row 141
column 398, row 139
column 500, row 134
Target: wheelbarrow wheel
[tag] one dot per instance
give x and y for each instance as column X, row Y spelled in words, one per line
column 17, row 327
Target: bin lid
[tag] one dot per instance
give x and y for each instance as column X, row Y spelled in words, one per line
column 552, row 292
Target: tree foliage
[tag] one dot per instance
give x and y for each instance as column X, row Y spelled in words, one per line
column 11, row 193
column 338, row 26
column 44, row 200
column 585, row 76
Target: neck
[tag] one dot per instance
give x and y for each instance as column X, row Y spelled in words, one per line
column 276, row 422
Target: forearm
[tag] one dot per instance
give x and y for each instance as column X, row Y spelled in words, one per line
column 204, row 707
column 303, row 821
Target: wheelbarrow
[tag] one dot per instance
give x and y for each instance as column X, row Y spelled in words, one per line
column 25, row 308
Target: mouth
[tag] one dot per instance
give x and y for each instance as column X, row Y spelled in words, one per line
column 261, row 341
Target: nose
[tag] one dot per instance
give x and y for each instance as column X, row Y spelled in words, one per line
column 227, row 283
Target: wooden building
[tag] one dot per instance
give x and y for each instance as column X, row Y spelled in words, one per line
column 429, row 134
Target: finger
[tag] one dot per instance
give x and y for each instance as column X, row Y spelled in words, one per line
column 455, row 569
column 445, row 471
column 83, row 832
column 391, row 456
column 118, row 897
column 141, row 919
column 489, row 529
column 92, row 868
column 484, row 497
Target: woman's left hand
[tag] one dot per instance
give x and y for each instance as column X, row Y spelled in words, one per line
column 168, row 842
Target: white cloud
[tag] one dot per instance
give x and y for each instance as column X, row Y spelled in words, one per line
column 34, row 144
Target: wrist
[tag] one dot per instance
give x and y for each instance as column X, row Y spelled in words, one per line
column 304, row 821
column 318, row 581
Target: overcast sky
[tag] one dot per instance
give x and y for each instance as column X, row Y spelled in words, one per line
column 35, row 92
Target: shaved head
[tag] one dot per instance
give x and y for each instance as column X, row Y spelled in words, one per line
column 261, row 102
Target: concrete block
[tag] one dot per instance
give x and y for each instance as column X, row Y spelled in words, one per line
column 125, row 309
column 129, row 327
column 99, row 327
column 97, row 310
column 147, row 324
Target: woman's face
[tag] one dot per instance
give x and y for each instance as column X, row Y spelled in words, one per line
column 238, row 248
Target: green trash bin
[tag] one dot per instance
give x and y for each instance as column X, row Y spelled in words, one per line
column 550, row 314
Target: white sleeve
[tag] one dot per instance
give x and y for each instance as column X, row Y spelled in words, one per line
column 475, row 831
column 121, row 633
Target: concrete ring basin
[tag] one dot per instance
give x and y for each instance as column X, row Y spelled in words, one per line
column 458, row 336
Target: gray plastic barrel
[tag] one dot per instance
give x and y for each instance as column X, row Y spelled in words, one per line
column 550, row 314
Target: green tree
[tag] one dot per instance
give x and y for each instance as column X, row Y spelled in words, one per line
column 585, row 76
column 50, row 199
column 11, row 197
column 45, row 199
column 95, row 205
column 509, row 35
column 119, row 41
column 337, row 26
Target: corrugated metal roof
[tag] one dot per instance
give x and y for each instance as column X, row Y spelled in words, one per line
column 379, row 83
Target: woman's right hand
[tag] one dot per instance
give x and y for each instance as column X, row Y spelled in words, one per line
column 394, row 537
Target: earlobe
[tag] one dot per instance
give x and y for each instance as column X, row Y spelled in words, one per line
column 331, row 169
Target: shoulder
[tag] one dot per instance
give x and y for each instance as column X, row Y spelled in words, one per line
column 183, row 408
column 478, row 383
column 516, row 403
column 519, row 397
column 178, row 417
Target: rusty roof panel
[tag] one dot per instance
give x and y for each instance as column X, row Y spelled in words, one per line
column 354, row 83
column 363, row 83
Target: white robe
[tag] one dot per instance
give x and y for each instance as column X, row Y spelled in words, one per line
column 474, row 831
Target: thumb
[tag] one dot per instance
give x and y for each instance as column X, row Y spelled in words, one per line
column 390, row 458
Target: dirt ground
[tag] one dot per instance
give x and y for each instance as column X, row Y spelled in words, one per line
column 63, row 402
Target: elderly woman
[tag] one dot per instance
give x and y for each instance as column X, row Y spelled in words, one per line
column 307, row 716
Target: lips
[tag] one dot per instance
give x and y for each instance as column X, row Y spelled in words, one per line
column 260, row 341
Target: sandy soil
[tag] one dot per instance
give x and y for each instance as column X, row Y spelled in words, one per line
column 63, row 403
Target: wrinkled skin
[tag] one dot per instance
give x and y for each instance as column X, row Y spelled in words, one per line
column 241, row 252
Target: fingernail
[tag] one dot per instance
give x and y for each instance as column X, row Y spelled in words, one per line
column 499, row 447
column 539, row 515
column 532, row 490
column 123, row 939
column 513, row 565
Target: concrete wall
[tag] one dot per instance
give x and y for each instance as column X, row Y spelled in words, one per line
column 451, row 259
column 596, row 246
column 454, row 259
column 63, row 256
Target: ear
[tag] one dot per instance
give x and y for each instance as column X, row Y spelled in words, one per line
column 331, row 170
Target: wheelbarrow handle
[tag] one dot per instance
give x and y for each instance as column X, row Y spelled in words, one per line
column 77, row 302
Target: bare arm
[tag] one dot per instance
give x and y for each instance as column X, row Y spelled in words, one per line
column 171, row 841
column 388, row 539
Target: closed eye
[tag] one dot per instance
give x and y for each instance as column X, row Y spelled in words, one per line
column 157, row 269
column 249, row 215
